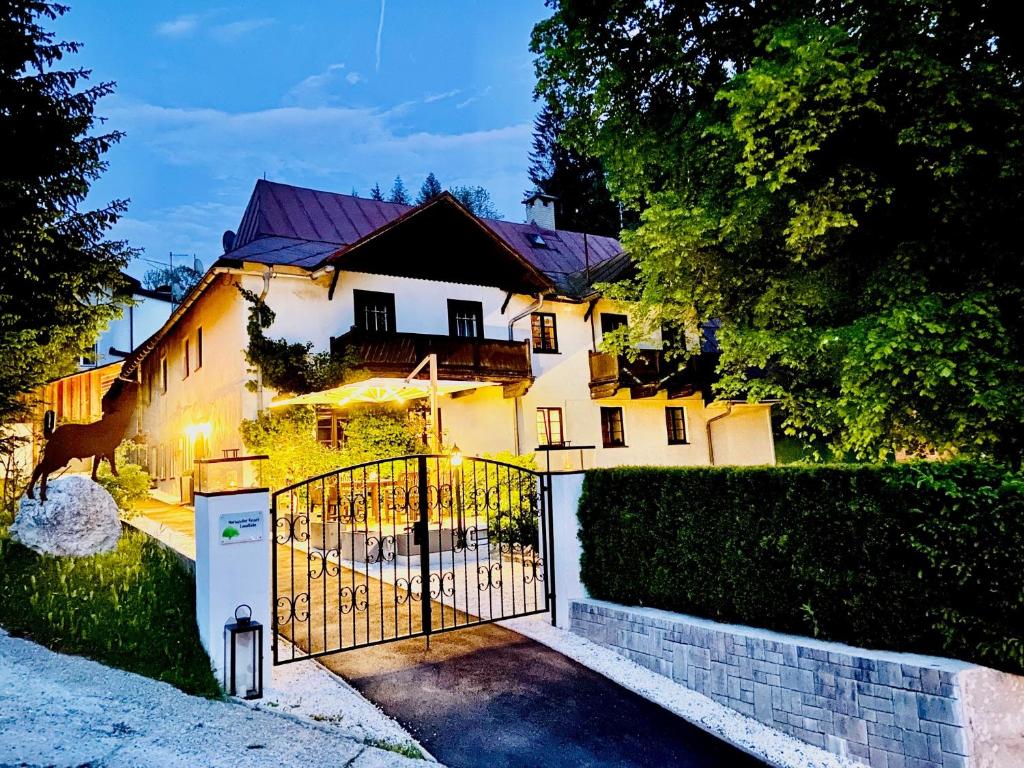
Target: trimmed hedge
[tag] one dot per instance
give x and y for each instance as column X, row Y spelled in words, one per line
column 919, row 557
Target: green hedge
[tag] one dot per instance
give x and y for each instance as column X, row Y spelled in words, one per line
column 921, row 557
column 132, row 608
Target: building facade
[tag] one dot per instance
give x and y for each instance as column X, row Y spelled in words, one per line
column 508, row 306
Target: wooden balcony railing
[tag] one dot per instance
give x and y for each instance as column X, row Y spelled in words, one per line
column 648, row 373
column 458, row 358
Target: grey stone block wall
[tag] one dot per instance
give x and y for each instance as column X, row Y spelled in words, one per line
column 886, row 710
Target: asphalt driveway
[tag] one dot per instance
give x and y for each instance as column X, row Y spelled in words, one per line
column 488, row 696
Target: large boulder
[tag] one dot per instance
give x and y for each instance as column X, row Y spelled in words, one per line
column 79, row 517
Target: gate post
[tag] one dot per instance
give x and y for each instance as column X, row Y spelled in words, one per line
column 233, row 550
column 422, row 531
column 564, row 490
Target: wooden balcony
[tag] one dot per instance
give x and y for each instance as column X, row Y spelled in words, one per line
column 459, row 359
column 648, row 373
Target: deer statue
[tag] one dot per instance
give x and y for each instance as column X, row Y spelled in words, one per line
column 78, row 441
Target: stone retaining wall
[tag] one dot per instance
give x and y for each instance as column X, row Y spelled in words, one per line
column 889, row 710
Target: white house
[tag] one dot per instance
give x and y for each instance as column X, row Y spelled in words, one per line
column 509, row 307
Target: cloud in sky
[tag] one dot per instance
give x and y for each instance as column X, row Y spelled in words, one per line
column 236, row 29
column 380, row 32
column 476, row 97
column 327, row 147
column 179, row 27
column 430, row 98
column 191, row 24
column 323, row 88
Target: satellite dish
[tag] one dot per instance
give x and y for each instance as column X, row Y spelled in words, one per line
column 228, row 240
column 197, row 265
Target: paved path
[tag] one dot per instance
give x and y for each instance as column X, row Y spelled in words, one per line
column 58, row 710
column 490, row 697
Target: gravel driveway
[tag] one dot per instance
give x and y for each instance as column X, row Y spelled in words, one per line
column 58, row 710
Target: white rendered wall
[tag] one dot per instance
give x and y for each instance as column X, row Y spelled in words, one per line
column 210, row 397
column 229, row 575
column 483, row 422
column 565, row 499
column 136, row 324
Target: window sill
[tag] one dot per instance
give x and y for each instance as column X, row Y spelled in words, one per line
column 617, row 445
column 679, row 442
column 546, row 352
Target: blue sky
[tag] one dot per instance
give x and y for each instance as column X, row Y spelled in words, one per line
column 332, row 94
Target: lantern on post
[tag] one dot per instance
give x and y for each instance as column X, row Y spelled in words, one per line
column 243, row 641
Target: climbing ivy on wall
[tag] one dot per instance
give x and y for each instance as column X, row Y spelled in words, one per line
column 291, row 367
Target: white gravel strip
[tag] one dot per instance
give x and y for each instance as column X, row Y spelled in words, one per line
column 774, row 747
column 58, row 710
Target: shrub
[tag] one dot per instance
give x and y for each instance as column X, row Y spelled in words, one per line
column 510, row 496
column 129, row 487
column 921, row 557
column 132, row 608
column 288, row 437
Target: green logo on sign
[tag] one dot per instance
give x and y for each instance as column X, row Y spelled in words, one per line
column 230, row 532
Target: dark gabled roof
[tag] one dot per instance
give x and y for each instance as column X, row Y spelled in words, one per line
column 302, row 227
column 281, row 210
column 410, row 245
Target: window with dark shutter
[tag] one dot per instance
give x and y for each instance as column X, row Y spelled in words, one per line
column 545, row 337
column 199, row 348
column 466, row 319
column 374, row 311
column 612, row 435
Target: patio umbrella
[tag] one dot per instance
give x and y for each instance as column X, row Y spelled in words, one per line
column 379, row 389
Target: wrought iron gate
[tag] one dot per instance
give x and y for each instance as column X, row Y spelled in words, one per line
column 406, row 547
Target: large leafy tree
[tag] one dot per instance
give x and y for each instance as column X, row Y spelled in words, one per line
column 57, row 268
column 584, row 204
column 477, row 200
column 180, row 279
column 840, row 183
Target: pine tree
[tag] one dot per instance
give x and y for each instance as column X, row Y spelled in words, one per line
column 399, row 194
column 55, row 260
column 431, row 188
column 584, row 204
column 376, row 194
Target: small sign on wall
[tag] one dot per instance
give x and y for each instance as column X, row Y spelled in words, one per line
column 239, row 527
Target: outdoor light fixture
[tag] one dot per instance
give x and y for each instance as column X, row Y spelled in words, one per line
column 243, row 639
column 195, row 430
column 456, row 456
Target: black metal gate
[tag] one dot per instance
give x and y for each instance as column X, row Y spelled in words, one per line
column 406, row 547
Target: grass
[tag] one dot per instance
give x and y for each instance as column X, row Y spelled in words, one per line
column 402, row 748
column 132, row 608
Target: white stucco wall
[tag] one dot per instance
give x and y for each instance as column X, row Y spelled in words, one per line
column 215, row 396
column 136, row 324
column 210, row 399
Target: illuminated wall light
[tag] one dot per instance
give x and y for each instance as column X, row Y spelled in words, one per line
column 192, row 431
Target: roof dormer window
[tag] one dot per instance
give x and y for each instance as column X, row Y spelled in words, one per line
column 536, row 240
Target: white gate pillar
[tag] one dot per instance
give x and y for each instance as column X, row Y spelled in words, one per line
column 566, row 549
column 233, row 551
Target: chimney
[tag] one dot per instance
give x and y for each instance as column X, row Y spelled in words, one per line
column 540, row 209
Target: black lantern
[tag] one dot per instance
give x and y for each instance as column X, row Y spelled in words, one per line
column 243, row 638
